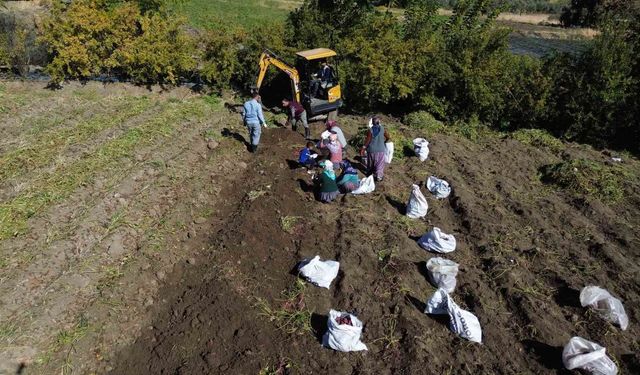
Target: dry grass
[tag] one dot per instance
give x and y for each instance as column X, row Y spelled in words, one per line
column 62, row 182
column 291, row 314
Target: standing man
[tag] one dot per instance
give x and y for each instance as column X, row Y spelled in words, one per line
column 253, row 117
column 296, row 114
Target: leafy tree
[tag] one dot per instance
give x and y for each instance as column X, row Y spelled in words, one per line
column 159, row 52
column 83, row 37
column 375, row 64
column 580, row 13
column 596, row 95
column 92, row 37
column 325, row 22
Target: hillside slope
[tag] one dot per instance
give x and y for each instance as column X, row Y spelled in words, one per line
column 138, row 236
column 525, row 252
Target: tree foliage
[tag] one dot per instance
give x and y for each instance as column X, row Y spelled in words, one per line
column 89, row 37
column 457, row 68
column 596, row 95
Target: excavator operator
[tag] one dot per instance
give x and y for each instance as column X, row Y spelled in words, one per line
column 321, row 79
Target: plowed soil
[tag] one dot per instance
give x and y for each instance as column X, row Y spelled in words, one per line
column 525, row 252
column 175, row 252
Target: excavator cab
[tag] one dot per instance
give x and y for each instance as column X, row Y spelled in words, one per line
column 313, row 84
column 320, row 87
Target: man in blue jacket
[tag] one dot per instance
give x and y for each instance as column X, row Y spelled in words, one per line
column 253, row 118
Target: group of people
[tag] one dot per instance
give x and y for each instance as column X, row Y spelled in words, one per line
column 329, row 183
column 253, row 119
column 330, row 153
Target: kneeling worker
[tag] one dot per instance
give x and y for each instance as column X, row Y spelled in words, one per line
column 296, row 114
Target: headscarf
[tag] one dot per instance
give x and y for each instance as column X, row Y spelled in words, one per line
column 348, row 168
column 328, row 169
column 375, row 129
column 331, row 123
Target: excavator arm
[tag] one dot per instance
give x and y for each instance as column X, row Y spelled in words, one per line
column 267, row 59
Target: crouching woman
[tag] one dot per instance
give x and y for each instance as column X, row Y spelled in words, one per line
column 348, row 181
column 326, row 182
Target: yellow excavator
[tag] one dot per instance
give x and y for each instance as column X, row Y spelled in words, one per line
column 318, row 96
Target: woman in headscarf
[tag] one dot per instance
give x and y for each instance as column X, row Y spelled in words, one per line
column 327, row 183
column 335, row 149
column 349, row 180
column 374, row 145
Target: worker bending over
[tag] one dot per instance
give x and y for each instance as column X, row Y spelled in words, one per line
column 296, row 114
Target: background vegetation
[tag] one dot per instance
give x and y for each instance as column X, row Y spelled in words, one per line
column 517, row 6
column 460, row 70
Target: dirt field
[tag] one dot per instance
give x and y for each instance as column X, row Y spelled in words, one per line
column 130, row 245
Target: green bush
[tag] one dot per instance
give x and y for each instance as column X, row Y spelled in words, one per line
column 472, row 129
column 83, row 37
column 220, row 62
column 160, row 51
column 370, row 79
column 458, row 68
column 90, row 37
column 266, row 36
column 586, row 177
column 596, row 95
column 5, row 57
column 325, row 22
column 424, row 121
column 538, row 138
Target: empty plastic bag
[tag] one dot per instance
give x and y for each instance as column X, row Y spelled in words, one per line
column 439, row 188
column 366, row 186
column 588, row 356
column 421, row 148
column 442, row 273
column 343, row 332
column 388, row 152
column 605, row 304
column 318, row 272
column 461, row 322
column 417, row 206
column 437, row 241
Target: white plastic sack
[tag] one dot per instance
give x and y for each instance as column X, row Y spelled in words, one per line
column 325, row 134
column 417, row 206
column 609, row 307
column 437, row 304
column 366, row 186
column 437, row 241
column 343, row 337
column 461, row 322
column 421, row 148
column 442, row 273
column 318, row 272
column 388, row 152
column 589, row 356
column 439, row 188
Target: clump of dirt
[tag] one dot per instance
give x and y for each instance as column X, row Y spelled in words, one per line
column 525, row 251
